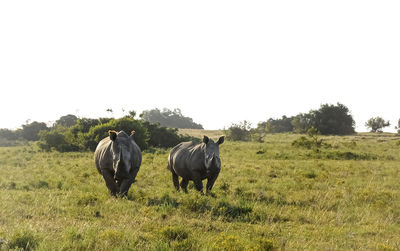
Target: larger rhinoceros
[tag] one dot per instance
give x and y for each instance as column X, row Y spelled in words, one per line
column 118, row 159
column 195, row 162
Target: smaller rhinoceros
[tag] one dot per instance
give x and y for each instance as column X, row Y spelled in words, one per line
column 118, row 159
column 195, row 162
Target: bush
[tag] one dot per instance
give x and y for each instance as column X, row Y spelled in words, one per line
column 9, row 134
column 239, row 132
column 312, row 141
column 31, row 131
column 334, row 120
column 278, row 125
column 57, row 139
column 174, row 233
column 377, row 124
column 230, row 212
column 23, row 239
column 168, row 118
column 228, row 243
column 127, row 124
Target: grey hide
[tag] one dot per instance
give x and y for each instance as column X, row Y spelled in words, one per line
column 118, row 159
column 195, row 162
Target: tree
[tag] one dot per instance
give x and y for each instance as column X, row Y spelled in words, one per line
column 377, row 124
column 31, row 131
column 8, row 134
column 333, row 120
column 398, row 127
column 168, row 118
column 303, row 122
column 279, row 125
column 239, row 132
column 67, row 120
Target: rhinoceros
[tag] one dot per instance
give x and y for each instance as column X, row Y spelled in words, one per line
column 118, row 159
column 195, row 162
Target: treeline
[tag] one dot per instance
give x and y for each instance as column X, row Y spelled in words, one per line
column 168, row 118
column 329, row 119
column 70, row 133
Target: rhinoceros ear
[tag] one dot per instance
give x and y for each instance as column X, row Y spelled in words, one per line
column 221, row 140
column 113, row 134
column 205, row 139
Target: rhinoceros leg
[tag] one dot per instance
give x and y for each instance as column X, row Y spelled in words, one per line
column 125, row 185
column 110, row 182
column 210, row 182
column 198, row 184
column 175, row 180
column 184, row 184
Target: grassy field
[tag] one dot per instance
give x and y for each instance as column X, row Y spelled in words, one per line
column 271, row 195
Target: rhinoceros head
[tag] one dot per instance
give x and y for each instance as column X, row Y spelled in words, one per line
column 121, row 153
column 211, row 151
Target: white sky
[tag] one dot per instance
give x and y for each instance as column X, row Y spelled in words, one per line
column 219, row 61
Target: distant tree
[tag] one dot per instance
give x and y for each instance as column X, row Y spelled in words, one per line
column 31, row 131
column 9, row 134
column 303, row 122
column 132, row 113
column 333, row 120
column 279, row 125
column 377, row 124
column 67, row 120
column 239, row 132
column 398, row 127
column 168, row 118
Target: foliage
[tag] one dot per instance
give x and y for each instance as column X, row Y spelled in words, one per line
column 377, row 124
column 127, row 124
column 283, row 124
column 162, row 136
column 174, row 233
column 239, row 132
column 67, row 120
column 60, row 139
column 168, row 118
column 87, row 133
column 302, row 122
column 313, row 140
column 334, row 120
column 23, row 239
column 9, row 134
column 398, row 127
column 328, row 119
column 31, row 131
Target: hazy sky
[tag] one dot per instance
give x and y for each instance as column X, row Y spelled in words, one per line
column 219, row 61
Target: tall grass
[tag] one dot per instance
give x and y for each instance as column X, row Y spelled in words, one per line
column 269, row 196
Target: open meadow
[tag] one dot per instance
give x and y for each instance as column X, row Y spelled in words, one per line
column 271, row 195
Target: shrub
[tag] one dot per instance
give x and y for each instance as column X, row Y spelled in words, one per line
column 174, row 233
column 231, row 212
column 228, row 243
column 127, row 124
column 302, row 142
column 23, row 239
column 313, row 140
column 31, row 131
column 239, row 132
column 58, row 140
column 377, row 124
column 168, row 118
column 263, row 244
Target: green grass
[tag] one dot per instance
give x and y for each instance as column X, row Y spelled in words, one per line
column 269, row 196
